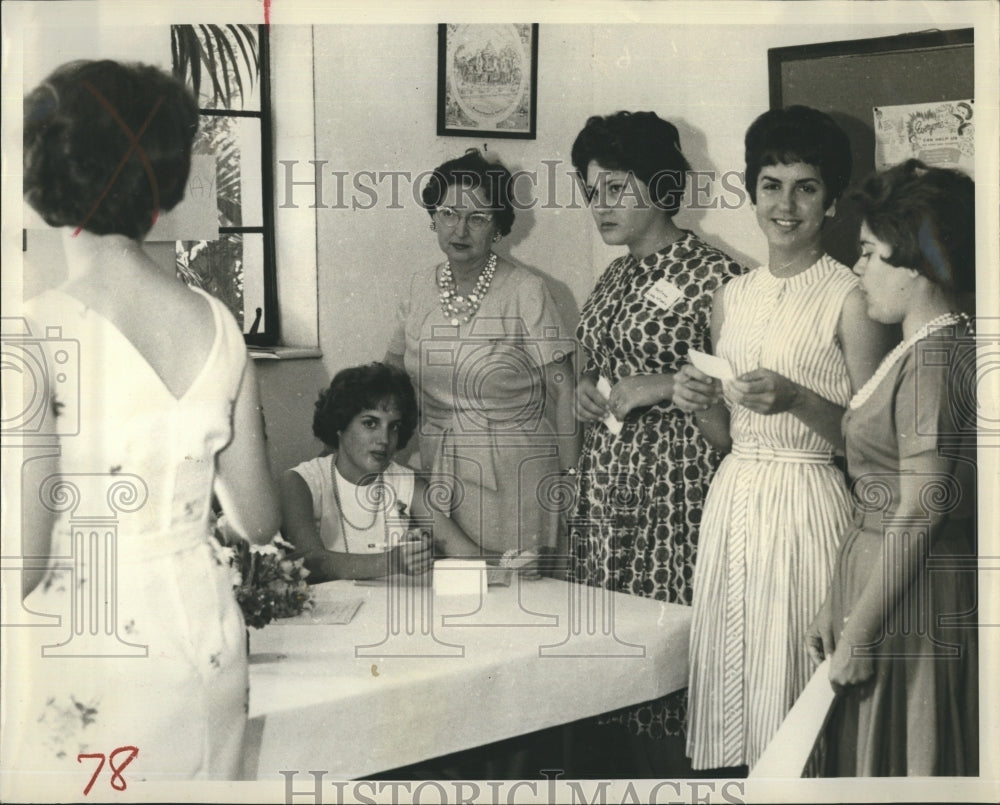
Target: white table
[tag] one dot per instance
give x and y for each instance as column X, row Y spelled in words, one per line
column 444, row 674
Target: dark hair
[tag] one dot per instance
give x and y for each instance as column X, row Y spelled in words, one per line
column 928, row 217
column 81, row 167
column 361, row 388
column 472, row 171
column 799, row 134
column 640, row 143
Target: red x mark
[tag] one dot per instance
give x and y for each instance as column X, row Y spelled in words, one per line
column 134, row 140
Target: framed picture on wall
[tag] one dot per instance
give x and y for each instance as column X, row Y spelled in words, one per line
column 487, row 80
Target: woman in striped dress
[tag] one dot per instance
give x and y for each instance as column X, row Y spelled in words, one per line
column 799, row 342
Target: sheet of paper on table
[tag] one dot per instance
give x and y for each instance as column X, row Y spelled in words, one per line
column 611, row 422
column 711, row 365
column 327, row 612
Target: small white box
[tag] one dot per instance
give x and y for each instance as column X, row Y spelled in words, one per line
column 459, row 576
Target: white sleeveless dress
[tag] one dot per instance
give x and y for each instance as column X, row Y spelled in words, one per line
column 377, row 515
column 150, row 647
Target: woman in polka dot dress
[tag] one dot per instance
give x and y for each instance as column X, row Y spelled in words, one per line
column 641, row 489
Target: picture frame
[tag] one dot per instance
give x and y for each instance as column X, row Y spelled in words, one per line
column 487, row 80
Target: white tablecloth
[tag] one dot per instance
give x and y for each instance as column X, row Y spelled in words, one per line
column 415, row 676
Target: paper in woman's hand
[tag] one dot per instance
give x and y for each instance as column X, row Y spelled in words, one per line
column 611, row 422
column 711, row 365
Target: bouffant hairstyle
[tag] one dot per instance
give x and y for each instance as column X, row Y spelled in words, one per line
column 361, row 388
column 472, row 171
column 640, row 143
column 107, row 145
column 928, row 217
column 799, row 134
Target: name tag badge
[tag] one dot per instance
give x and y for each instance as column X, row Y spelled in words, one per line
column 663, row 294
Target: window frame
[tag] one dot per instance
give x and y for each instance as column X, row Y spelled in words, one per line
column 269, row 336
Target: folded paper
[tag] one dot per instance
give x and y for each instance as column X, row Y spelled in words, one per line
column 711, row 365
column 611, row 422
column 459, row 576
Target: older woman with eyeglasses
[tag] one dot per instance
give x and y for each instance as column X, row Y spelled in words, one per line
column 483, row 343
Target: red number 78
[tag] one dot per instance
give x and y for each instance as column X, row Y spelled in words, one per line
column 117, row 781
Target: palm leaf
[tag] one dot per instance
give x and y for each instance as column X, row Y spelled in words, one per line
column 207, row 53
column 186, row 55
column 239, row 32
column 227, row 58
column 211, row 50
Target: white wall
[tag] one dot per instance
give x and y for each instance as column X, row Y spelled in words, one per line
column 376, row 91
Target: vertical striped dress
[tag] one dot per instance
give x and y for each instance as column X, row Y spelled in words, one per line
column 774, row 517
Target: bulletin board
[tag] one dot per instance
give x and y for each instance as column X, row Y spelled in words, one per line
column 848, row 79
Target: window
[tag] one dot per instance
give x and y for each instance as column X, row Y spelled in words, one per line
column 228, row 69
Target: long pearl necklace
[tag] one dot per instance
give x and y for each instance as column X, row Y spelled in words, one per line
column 344, row 522
column 866, row 391
column 459, row 308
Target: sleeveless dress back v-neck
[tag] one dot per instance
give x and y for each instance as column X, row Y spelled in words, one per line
column 150, row 650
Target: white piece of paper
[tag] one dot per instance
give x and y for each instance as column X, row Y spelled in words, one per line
column 327, row 612
column 197, row 215
column 939, row 133
column 663, row 293
column 459, row 576
column 788, row 752
column 611, row 422
column 711, row 365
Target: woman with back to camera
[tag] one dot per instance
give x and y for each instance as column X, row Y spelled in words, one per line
column 480, row 338
column 899, row 621
column 641, row 490
column 167, row 412
column 796, row 336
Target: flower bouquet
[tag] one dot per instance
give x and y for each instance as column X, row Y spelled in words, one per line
column 266, row 583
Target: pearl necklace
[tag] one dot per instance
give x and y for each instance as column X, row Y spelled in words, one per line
column 344, row 522
column 457, row 307
column 866, row 391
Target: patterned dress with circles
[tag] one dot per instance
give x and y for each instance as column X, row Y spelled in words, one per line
column 635, row 528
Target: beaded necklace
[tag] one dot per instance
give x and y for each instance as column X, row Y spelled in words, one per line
column 866, row 391
column 344, row 522
column 459, row 308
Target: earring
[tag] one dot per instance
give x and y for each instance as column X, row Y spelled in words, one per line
column 831, row 211
column 434, row 226
column 497, row 237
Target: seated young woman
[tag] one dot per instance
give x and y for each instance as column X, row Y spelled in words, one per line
column 353, row 512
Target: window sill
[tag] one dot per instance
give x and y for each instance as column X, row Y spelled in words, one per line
column 283, row 353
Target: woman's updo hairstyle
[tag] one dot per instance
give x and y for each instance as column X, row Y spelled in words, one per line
column 107, row 146
column 364, row 388
column 472, row 171
column 799, row 134
column 928, row 217
column 640, row 143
